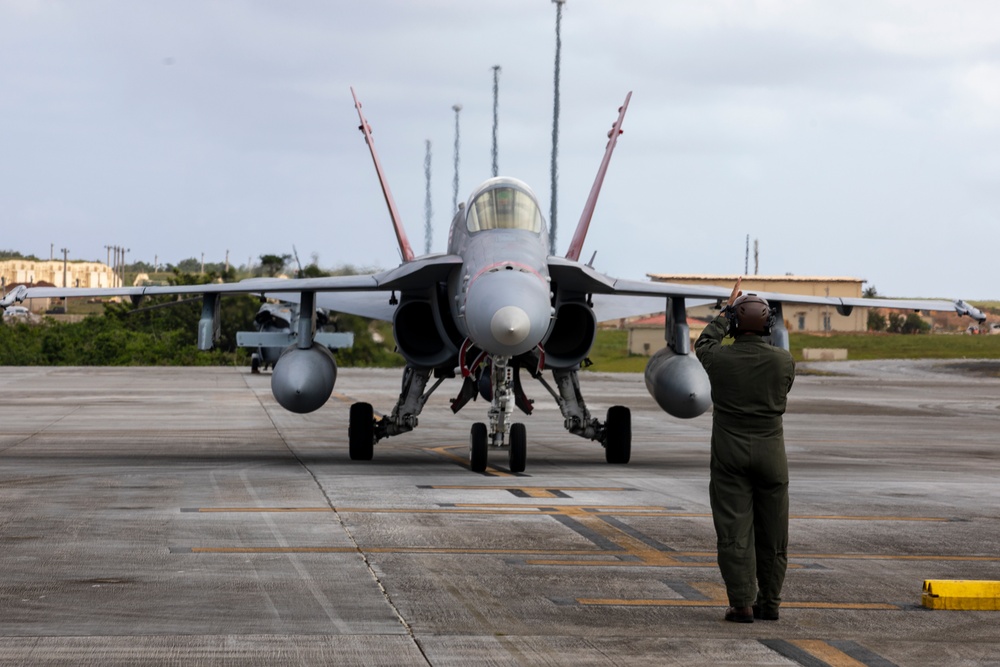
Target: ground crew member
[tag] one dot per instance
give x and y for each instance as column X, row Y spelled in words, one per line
column 749, row 472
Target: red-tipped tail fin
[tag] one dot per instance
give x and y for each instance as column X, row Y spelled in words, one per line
column 580, row 235
column 404, row 244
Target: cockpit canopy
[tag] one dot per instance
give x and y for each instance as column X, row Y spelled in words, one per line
column 504, row 203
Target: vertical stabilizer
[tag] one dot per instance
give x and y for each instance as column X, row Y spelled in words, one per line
column 404, row 244
column 580, row 235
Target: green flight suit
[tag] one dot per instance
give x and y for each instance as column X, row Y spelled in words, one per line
column 749, row 471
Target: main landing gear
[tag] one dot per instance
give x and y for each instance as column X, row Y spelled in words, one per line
column 498, row 382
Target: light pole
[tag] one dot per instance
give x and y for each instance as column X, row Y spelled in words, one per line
column 555, row 131
column 65, row 252
column 496, row 100
column 454, row 184
column 428, row 211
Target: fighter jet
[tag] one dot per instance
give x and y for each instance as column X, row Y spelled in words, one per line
column 277, row 327
column 496, row 305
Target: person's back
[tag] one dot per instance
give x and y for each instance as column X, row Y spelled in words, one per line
column 750, row 378
column 749, row 471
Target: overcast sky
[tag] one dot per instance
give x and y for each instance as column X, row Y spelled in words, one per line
column 850, row 138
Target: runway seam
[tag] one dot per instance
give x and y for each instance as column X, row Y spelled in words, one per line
column 364, row 557
column 43, row 429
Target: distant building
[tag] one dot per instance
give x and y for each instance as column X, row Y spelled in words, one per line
column 798, row 317
column 33, row 273
column 646, row 335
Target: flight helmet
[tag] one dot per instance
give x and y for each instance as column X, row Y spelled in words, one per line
column 750, row 314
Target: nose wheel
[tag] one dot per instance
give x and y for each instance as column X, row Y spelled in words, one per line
column 479, row 446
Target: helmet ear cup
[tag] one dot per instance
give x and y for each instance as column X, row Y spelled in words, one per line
column 730, row 313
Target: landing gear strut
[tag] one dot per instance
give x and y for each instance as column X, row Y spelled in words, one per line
column 615, row 434
column 500, row 430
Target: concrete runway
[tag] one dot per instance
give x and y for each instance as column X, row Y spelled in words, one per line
column 179, row 516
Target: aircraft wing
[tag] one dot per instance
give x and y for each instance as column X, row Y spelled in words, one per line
column 615, row 298
column 368, row 295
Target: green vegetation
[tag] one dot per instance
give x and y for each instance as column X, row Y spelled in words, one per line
column 899, row 346
column 610, row 351
column 163, row 331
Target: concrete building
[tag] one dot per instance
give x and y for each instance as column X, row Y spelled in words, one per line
column 798, row 317
column 646, row 335
column 32, row 272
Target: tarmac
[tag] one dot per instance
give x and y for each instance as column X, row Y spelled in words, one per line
column 179, row 516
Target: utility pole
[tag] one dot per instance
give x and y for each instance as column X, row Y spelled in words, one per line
column 227, row 261
column 454, row 184
column 65, row 252
column 428, row 211
column 555, row 131
column 496, row 100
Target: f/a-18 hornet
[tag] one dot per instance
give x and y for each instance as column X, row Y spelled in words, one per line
column 494, row 305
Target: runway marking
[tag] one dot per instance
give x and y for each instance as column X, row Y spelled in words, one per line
column 673, row 602
column 539, row 492
column 617, row 544
column 529, row 491
column 820, row 653
column 391, row 550
column 491, row 471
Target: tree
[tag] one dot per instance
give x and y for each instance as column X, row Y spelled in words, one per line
column 870, row 292
column 272, row 265
column 914, row 324
column 189, row 265
column 876, row 320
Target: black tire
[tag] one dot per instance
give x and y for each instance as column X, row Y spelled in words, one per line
column 618, row 435
column 478, row 447
column 254, row 363
column 518, row 453
column 361, row 432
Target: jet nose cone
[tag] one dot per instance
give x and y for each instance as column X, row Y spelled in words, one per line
column 510, row 325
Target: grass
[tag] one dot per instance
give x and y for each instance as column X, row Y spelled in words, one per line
column 610, row 351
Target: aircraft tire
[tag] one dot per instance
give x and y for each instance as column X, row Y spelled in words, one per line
column 361, row 432
column 518, row 452
column 618, row 435
column 478, row 446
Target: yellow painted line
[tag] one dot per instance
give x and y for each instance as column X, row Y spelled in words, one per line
column 905, row 557
column 399, row 550
column 481, row 487
column 665, row 562
column 828, row 654
column 710, row 589
column 548, row 509
column 853, row 606
column 821, row 517
column 464, row 460
column 536, row 492
column 262, row 510
column 961, row 594
column 525, row 509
